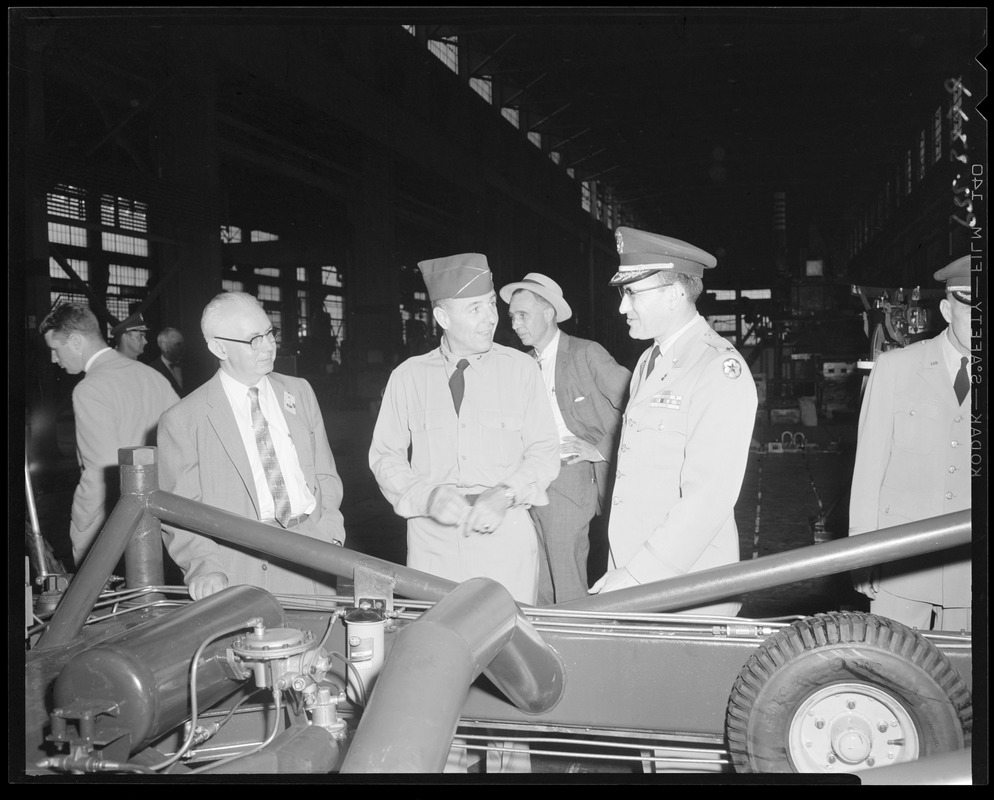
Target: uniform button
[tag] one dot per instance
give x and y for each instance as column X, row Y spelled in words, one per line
column 953, row 444
column 619, row 474
column 952, row 469
column 949, row 495
column 616, row 501
column 958, row 419
column 912, row 412
column 265, row 566
column 624, row 448
column 661, row 427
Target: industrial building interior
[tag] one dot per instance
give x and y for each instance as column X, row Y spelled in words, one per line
column 313, row 156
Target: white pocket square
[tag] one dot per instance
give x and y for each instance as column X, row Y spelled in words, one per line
column 579, row 399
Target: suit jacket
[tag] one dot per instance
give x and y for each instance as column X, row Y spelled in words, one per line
column 682, row 455
column 117, row 404
column 202, row 457
column 591, row 388
column 912, row 463
column 160, row 366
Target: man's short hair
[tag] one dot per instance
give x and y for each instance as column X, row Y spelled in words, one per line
column 541, row 301
column 219, row 306
column 69, row 318
column 165, row 334
column 691, row 284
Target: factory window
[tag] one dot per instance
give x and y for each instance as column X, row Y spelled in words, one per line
column 66, row 234
column 118, row 212
column 232, row 286
column 80, row 267
column 937, row 136
column 756, row 294
column 555, row 156
column 511, row 115
column 571, row 172
column 230, row 234
column 126, row 245
column 907, row 172
column 483, row 87
column 67, row 201
column 262, row 236
column 724, row 323
column 921, row 156
column 330, row 276
column 585, row 195
column 723, row 294
column 267, row 272
column 535, row 138
column 409, row 29
column 268, row 292
column 447, row 51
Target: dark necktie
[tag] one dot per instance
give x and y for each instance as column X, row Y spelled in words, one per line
column 962, row 383
column 270, row 464
column 652, row 360
column 457, row 384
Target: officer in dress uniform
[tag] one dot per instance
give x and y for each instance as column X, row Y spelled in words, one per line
column 913, row 462
column 687, row 429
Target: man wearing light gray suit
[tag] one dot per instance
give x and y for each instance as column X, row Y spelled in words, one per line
column 116, row 405
column 586, row 388
column 251, row 442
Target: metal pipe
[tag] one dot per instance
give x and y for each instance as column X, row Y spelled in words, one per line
column 528, row 674
column 814, row 561
column 85, row 588
column 36, row 545
column 143, row 561
column 415, row 708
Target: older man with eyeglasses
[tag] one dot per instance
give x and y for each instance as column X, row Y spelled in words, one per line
column 252, row 442
column 687, row 429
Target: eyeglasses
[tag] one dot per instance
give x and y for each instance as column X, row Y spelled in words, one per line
column 628, row 292
column 273, row 334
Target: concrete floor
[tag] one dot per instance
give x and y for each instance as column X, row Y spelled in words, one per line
column 783, row 495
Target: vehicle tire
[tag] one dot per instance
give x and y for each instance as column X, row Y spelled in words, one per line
column 842, row 692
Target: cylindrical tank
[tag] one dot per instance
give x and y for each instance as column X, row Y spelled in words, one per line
column 146, row 670
column 364, row 638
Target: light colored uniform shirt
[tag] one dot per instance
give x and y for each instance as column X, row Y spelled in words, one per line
column 301, row 499
column 952, row 356
column 504, row 434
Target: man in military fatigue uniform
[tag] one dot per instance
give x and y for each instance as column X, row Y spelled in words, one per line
column 687, row 428
column 913, row 462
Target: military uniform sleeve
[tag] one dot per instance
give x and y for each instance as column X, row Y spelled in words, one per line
column 722, row 416
column 179, row 473
column 403, row 488
column 539, row 464
column 612, row 381
column 329, row 483
column 873, row 447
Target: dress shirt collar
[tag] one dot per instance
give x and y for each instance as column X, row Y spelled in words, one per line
column 548, row 353
column 669, row 341
column 94, row 357
column 475, row 359
column 951, row 354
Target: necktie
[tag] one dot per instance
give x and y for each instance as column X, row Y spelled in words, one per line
column 457, row 384
column 177, row 374
column 962, row 383
column 652, row 360
column 537, row 357
column 270, row 464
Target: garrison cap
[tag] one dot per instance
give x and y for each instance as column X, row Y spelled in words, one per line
column 133, row 323
column 463, row 275
column 545, row 288
column 644, row 254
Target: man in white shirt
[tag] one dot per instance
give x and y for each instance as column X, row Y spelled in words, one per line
column 252, row 442
column 116, row 405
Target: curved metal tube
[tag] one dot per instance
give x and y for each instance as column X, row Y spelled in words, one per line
column 814, row 561
column 415, row 708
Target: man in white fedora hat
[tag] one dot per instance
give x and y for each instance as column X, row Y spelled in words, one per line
column 586, row 388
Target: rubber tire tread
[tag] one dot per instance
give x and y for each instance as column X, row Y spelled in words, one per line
column 767, row 689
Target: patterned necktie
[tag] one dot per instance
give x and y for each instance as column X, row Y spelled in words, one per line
column 270, row 464
column 538, row 358
column 962, row 383
column 652, row 360
column 457, row 384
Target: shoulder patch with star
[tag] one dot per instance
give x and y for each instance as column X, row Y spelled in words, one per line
column 732, row 368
